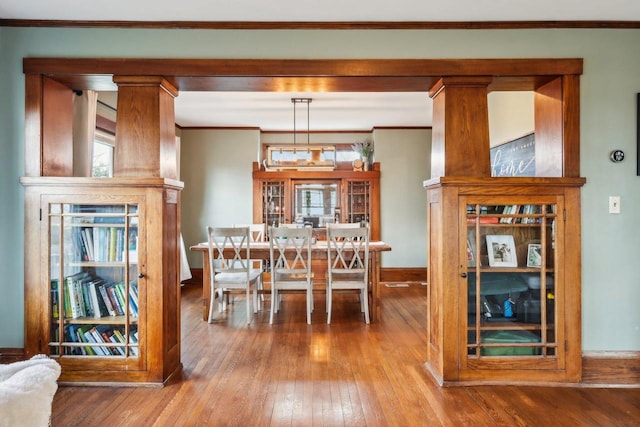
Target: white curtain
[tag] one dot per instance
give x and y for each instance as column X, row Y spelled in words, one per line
column 84, row 127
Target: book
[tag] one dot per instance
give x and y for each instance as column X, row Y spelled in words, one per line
column 99, row 307
column 97, row 337
column 75, row 294
column 114, row 339
column 86, row 350
column 106, row 299
column 113, row 240
column 119, row 293
column 87, row 233
column 91, row 338
column 111, row 292
column 55, row 307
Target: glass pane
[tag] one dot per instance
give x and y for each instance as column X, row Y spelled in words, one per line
column 358, row 199
column 315, row 203
column 273, row 202
column 510, row 258
column 93, row 283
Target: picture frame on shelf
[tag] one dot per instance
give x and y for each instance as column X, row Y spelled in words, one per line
column 534, row 255
column 501, row 249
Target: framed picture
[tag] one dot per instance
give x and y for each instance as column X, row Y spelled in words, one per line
column 501, row 249
column 534, row 255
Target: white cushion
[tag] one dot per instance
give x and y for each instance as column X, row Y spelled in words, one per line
column 26, row 391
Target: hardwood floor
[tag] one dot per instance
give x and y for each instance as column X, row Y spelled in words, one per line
column 344, row 374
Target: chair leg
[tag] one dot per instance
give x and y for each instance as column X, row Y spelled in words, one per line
column 274, row 296
column 248, row 304
column 329, row 298
column 255, row 298
column 212, row 299
column 309, row 305
column 365, row 302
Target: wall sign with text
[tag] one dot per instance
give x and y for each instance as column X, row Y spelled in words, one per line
column 514, row 158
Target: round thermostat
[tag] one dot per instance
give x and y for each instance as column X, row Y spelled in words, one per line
column 617, row 156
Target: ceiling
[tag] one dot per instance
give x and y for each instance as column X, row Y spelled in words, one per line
column 327, row 111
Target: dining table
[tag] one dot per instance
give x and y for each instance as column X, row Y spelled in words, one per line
column 261, row 251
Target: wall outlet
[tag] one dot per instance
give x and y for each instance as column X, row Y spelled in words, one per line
column 614, row 204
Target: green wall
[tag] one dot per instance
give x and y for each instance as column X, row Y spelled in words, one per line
column 611, row 255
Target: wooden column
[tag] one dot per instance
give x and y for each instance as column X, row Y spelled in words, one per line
column 145, row 127
column 460, row 135
column 557, row 122
column 48, row 127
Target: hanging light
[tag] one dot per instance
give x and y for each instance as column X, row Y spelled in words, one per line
column 308, row 157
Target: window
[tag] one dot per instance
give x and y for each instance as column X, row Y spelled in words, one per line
column 103, row 146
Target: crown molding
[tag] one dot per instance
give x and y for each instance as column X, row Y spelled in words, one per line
column 323, row 25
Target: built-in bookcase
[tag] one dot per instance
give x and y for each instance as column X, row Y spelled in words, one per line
column 504, row 279
column 96, row 296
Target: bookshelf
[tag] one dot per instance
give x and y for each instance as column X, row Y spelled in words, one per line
column 504, row 302
column 100, row 313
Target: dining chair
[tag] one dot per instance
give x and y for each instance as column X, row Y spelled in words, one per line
column 233, row 270
column 290, row 258
column 257, row 233
column 348, row 263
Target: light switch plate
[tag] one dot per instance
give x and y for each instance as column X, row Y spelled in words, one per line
column 614, row 204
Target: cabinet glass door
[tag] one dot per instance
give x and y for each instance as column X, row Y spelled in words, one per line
column 93, row 279
column 511, row 291
column 358, row 201
column 273, row 203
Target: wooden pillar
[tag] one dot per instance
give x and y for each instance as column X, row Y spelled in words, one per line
column 460, row 133
column 145, row 127
column 557, row 122
column 48, row 127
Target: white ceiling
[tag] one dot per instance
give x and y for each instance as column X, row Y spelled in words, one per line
column 328, row 111
column 322, row 10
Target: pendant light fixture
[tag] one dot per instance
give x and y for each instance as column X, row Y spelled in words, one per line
column 301, row 157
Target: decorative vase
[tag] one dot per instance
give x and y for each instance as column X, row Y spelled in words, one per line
column 365, row 163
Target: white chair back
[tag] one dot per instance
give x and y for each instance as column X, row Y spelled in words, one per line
column 348, row 263
column 229, row 259
column 290, row 257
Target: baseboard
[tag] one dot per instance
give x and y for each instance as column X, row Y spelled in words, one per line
column 614, row 368
column 196, row 277
column 10, row 355
column 403, row 274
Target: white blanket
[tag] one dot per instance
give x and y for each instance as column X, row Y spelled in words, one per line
column 26, row 392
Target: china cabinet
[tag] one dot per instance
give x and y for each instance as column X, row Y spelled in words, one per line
column 317, row 197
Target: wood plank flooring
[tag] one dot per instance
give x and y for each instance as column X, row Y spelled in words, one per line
column 344, row 374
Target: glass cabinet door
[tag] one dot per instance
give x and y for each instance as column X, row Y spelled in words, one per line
column 93, row 252
column 358, row 201
column 511, row 286
column 273, row 203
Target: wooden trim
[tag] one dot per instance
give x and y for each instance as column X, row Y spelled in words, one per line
column 273, row 68
column 611, row 368
column 196, row 278
column 323, row 25
column 10, row 355
column 404, row 274
column 106, row 125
